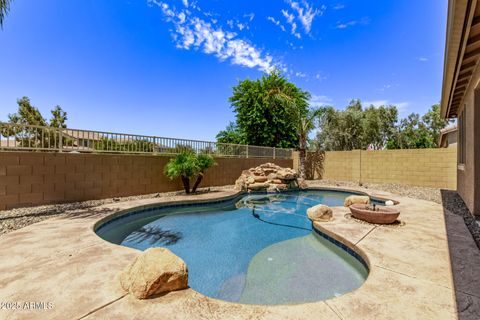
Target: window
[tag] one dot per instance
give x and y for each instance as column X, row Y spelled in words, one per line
column 462, row 136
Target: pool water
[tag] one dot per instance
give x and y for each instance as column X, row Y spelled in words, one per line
column 255, row 249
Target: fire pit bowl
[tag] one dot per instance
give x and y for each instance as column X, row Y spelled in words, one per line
column 374, row 213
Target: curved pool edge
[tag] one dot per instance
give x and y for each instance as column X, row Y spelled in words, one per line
column 162, row 204
column 320, row 229
column 87, row 268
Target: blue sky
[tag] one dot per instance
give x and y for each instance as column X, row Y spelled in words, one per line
column 167, row 67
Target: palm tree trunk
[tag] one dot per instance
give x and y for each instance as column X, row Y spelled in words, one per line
column 302, row 154
column 197, row 182
column 186, row 184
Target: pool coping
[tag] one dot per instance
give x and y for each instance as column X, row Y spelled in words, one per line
column 385, row 294
column 341, row 243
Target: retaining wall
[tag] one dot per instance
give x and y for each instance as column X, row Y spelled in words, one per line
column 35, row 178
column 417, row 167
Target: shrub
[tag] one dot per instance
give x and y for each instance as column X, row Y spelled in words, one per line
column 188, row 165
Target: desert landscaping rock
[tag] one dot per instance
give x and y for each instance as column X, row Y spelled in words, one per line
column 356, row 200
column 320, row 213
column 267, row 176
column 154, row 271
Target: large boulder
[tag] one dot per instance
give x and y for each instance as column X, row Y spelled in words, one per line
column 320, row 212
column 267, row 176
column 354, row 199
column 154, row 271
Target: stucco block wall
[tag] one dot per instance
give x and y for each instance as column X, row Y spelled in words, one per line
column 417, row 167
column 34, row 178
column 468, row 174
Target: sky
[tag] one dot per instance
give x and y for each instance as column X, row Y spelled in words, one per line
column 167, row 68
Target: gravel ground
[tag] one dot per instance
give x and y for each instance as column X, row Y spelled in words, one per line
column 18, row 218
column 424, row 193
column 453, row 203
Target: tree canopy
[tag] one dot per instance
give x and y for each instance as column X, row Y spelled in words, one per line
column 419, row 132
column 378, row 128
column 356, row 127
column 27, row 114
column 265, row 112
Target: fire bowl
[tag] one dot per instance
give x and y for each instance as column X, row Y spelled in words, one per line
column 380, row 214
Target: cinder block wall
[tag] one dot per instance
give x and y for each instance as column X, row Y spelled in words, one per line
column 34, row 178
column 417, row 167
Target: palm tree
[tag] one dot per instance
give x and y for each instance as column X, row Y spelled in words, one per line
column 4, row 8
column 205, row 161
column 188, row 165
column 306, row 123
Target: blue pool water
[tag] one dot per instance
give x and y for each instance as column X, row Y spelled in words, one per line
column 257, row 249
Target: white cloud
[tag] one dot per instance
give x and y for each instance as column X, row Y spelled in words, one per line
column 288, row 16
column 250, row 16
column 185, row 3
column 320, row 100
column 276, row 22
column 193, row 32
column 319, row 76
column 300, row 74
column 351, row 23
column 422, row 59
column 240, row 26
column 305, row 13
column 346, row 24
column 338, row 6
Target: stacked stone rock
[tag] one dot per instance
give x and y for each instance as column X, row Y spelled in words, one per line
column 268, row 176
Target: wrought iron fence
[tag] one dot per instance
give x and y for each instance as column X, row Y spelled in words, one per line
column 27, row 137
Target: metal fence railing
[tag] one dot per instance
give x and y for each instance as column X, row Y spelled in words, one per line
column 28, row 137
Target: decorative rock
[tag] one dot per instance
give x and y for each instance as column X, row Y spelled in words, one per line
column 320, row 212
column 389, row 203
column 302, row 184
column 260, row 178
column 154, row 271
column 356, row 200
column 286, row 174
column 257, row 186
column 267, row 176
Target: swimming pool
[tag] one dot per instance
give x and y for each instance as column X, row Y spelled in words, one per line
column 254, row 249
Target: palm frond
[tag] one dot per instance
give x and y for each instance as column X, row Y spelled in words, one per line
column 4, row 8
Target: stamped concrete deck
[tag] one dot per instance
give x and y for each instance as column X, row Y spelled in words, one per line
column 62, row 261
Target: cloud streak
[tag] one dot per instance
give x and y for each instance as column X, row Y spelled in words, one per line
column 306, row 13
column 193, row 32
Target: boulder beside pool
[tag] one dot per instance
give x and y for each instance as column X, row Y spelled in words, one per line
column 154, row 271
column 269, row 177
column 320, row 213
column 354, row 199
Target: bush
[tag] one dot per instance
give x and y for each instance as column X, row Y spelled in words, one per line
column 188, row 165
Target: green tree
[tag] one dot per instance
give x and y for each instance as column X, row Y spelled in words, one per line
column 435, row 123
column 264, row 112
column 231, row 134
column 59, row 118
column 415, row 132
column 355, row 127
column 27, row 118
column 205, row 162
column 188, row 165
column 4, row 8
column 379, row 125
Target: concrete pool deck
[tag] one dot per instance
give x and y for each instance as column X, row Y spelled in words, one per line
column 63, row 262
